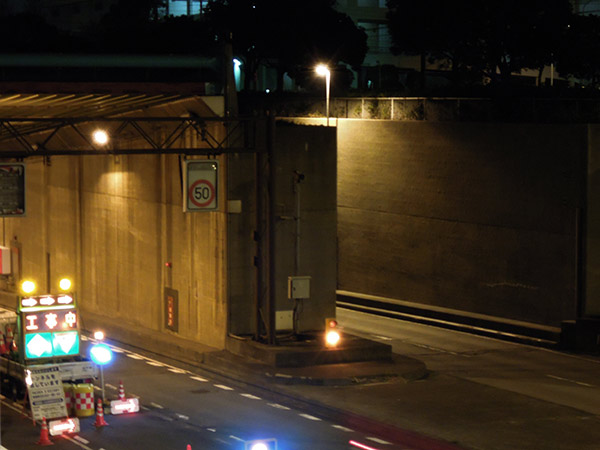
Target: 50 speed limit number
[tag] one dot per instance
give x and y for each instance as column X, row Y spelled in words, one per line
column 201, row 185
column 202, row 193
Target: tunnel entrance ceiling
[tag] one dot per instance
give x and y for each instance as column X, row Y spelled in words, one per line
column 47, row 124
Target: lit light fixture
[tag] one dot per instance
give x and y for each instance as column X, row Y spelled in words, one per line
column 323, row 71
column 332, row 335
column 65, row 284
column 28, row 286
column 100, row 137
column 99, row 335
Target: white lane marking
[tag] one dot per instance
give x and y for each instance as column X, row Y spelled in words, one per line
column 340, row 427
column 80, row 444
column 379, row 441
column 278, row 406
column 181, row 416
column 231, row 436
column 383, row 338
column 156, row 405
column 309, row 417
column 12, row 407
column 116, row 349
column 84, row 338
column 155, row 364
column 176, row 370
column 80, row 439
column 110, row 386
column 222, row 386
column 204, row 380
column 250, row 396
column 134, row 356
column 144, row 408
column 580, row 383
column 212, row 429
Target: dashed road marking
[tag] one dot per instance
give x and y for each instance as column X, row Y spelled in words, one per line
column 379, row 441
column 155, row 363
column 278, row 406
column 342, row 428
column 204, row 380
column 134, row 356
column 156, row 405
column 80, row 439
column 250, row 396
column 174, row 370
column 580, row 383
column 231, row 436
column 212, row 430
column 110, row 386
column 182, row 417
column 383, row 338
column 222, row 386
column 309, row 417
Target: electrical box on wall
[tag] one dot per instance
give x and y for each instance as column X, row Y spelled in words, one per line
column 5, row 267
column 298, row 287
column 284, row 320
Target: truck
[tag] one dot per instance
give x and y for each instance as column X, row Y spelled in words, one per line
column 43, row 330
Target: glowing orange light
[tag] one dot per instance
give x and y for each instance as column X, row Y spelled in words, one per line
column 332, row 338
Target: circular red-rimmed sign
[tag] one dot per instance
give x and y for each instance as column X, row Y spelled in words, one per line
column 201, row 193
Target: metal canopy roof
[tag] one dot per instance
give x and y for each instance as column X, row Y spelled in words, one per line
column 53, row 124
column 74, row 105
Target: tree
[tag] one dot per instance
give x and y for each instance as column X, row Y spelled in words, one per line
column 579, row 56
column 493, row 39
column 286, row 35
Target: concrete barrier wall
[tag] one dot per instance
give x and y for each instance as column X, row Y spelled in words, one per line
column 113, row 223
column 475, row 217
column 310, row 150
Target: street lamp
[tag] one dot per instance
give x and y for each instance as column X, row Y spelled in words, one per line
column 323, row 70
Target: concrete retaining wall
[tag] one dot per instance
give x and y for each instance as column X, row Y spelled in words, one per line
column 112, row 223
column 476, row 217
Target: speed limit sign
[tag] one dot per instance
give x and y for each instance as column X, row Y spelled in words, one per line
column 201, row 185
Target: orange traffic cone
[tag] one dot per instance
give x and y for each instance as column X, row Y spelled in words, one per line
column 100, row 422
column 121, row 391
column 44, row 439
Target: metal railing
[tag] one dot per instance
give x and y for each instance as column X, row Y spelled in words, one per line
column 435, row 109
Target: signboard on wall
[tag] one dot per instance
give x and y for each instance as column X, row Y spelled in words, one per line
column 201, row 185
column 171, row 309
column 12, row 190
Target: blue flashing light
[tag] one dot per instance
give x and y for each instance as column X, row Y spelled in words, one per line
column 101, row 354
column 261, row 444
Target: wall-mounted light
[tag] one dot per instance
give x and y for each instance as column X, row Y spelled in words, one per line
column 100, row 137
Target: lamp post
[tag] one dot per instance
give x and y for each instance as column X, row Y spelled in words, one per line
column 323, row 70
column 101, row 354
